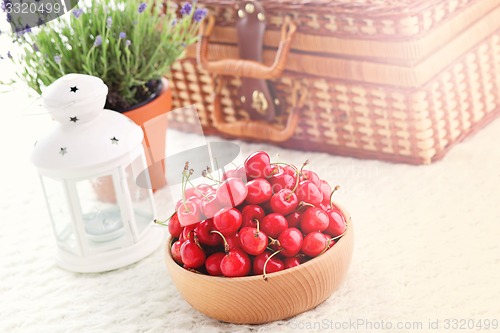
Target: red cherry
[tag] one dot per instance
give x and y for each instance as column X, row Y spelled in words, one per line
column 192, row 254
column 212, row 264
column 314, row 219
column 291, row 241
column 314, row 243
column 273, row 224
column 251, row 214
column 291, row 262
column 189, row 213
column 239, row 172
column 308, row 192
column 284, row 202
column 228, row 221
column 204, row 189
column 259, row 191
column 210, row 205
column 271, row 170
column 235, row 263
column 232, row 192
column 195, row 200
column 205, row 236
column 273, row 265
column 289, row 171
column 293, row 219
column 256, row 163
column 187, row 233
column 337, row 224
column 174, row 227
column 233, row 241
column 312, row 176
column 175, row 250
column 326, row 190
column 253, row 241
column 190, row 192
column 282, row 181
column 178, row 204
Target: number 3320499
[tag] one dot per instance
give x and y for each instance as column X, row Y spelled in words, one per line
column 471, row 324
column 32, row 8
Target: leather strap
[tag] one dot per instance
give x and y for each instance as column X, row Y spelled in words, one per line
column 259, row 130
column 255, row 94
column 242, row 67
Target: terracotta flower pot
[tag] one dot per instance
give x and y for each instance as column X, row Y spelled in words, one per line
column 151, row 116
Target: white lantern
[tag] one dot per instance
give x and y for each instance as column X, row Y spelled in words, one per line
column 88, row 165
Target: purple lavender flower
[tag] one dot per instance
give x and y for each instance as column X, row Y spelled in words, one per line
column 128, row 42
column 199, row 14
column 9, row 55
column 122, row 35
column 77, row 12
column 35, row 47
column 186, row 9
column 4, row 4
column 98, row 40
column 142, row 7
column 109, row 22
column 57, row 59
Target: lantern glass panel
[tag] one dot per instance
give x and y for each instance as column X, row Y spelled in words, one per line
column 100, row 212
column 141, row 198
column 55, row 194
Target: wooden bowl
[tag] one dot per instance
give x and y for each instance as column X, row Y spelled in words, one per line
column 252, row 300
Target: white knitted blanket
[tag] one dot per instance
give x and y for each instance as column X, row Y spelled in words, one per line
column 427, row 249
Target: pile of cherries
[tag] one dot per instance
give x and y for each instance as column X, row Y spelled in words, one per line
column 260, row 218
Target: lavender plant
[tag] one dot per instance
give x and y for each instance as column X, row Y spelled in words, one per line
column 129, row 44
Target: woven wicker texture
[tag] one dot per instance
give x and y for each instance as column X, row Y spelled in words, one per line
column 408, row 110
column 362, row 18
column 380, row 50
column 362, row 120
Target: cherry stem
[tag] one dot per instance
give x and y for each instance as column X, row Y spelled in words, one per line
column 303, row 165
column 183, row 186
column 297, row 176
column 273, row 241
column 205, row 175
column 340, row 236
column 218, row 170
column 164, row 222
column 258, row 225
column 265, row 264
column 226, row 245
column 327, row 245
column 304, row 204
column 335, row 189
column 197, row 190
column 193, row 270
column 195, row 239
column 186, row 173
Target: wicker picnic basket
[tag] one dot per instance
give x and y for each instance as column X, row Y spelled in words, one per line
column 394, row 80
